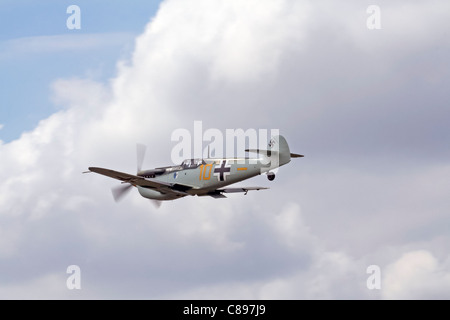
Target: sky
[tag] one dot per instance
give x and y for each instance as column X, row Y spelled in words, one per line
column 37, row 47
column 369, row 109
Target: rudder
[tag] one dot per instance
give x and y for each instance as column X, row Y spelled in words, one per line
column 280, row 149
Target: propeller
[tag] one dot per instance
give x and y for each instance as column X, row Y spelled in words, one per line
column 121, row 191
column 156, row 203
column 140, row 154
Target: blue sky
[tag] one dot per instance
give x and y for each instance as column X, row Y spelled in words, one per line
column 36, row 48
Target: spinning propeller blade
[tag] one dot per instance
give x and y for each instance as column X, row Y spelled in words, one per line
column 156, row 203
column 120, row 191
column 140, row 152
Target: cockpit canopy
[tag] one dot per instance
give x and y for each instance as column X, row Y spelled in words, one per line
column 192, row 163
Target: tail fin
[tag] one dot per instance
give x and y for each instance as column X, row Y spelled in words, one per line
column 280, row 145
column 278, row 152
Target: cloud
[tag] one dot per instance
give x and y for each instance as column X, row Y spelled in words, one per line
column 417, row 275
column 368, row 109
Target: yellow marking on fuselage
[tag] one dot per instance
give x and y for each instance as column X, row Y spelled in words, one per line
column 241, row 169
column 209, row 172
column 203, row 170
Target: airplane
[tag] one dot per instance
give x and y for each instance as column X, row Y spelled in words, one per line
column 200, row 177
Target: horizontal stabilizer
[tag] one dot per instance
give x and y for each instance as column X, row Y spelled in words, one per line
column 263, row 152
column 278, row 152
column 294, row 155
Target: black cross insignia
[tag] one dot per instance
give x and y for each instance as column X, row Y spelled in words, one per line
column 221, row 170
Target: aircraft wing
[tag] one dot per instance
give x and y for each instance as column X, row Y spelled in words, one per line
column 219, row 193
column 138, row 181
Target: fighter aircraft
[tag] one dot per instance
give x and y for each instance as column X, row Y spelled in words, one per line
column 201, row 177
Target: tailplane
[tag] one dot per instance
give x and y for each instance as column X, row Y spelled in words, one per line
column 278, row 152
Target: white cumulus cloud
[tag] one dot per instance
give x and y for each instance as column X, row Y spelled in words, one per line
column 417, row 275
